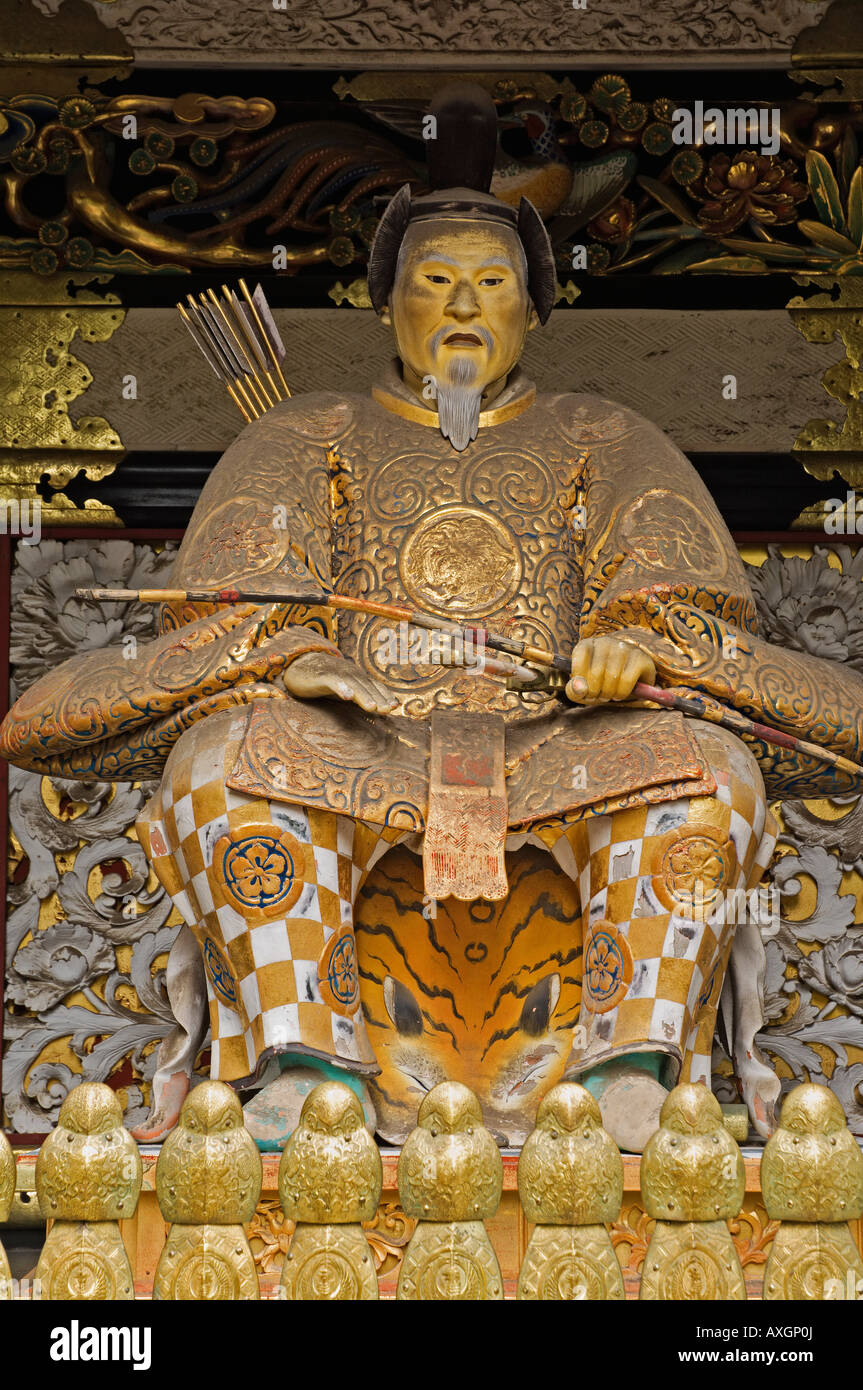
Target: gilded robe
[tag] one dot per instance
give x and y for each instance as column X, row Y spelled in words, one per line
column 567, row 517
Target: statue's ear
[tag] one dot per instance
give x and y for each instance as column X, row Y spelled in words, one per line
column 385, row 248
column 541, row 272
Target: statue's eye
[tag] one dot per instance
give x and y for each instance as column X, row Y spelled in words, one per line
column 492, row 280
column 539, row 1005
column 438, row 279
column 402, row 1007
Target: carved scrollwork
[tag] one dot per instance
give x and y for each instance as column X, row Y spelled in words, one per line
column 88, row 929
column 813, row 993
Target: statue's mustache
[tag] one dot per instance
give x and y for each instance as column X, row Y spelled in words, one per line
column 475, row 330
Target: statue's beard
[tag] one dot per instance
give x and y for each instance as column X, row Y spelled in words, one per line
column 459, row 403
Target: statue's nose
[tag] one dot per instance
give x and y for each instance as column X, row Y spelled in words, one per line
column 463, row 304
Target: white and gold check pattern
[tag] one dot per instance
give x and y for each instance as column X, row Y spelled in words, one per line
column 649, row 879
column 278, row 943
column 278, row 979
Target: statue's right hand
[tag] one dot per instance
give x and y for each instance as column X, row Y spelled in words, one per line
column 320, row 675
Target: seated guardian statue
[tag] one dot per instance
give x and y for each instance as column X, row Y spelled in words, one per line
column 296, row 746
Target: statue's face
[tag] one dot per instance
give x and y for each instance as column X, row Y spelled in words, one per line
column 460, row 307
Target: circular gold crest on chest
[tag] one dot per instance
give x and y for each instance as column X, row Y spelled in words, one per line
column 461, row 561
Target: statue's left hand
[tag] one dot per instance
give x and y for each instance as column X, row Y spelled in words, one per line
column 319, row 675
column 605, row 668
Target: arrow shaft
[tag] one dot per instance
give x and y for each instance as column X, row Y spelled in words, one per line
column 697, row 707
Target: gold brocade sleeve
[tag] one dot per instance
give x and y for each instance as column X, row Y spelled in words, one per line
column 820, row 701
column 105, row 715
column 262, row 521
column 646, row 524
column 661, row 570
column 265, row 512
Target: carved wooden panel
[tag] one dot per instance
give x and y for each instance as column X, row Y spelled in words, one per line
column 434, row 33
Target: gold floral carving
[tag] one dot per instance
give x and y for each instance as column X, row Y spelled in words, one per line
column 752, row 1233
column 630, row 1236
column 388, row 1233
column 269, row 1233
column 824, row 446
column 39, row 378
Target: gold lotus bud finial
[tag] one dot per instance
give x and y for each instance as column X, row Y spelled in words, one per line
column 7, row 1193
column 692, row 1181
column 89, row 1168
column 812, row 1109
column 450, row 1176
column 330, row 1181
column 812, row 1169
column 570, row 1171
column 691, row 1169
column 570, row 1180
column 7, row 1177
column 330, row 1170
column 88, row 1177
column 449, row 1108
column 450, row 1169
column 91, row 1108
column 212, row 1108
column 209, row 1169
column 812, row 1180
column 208, row 1181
